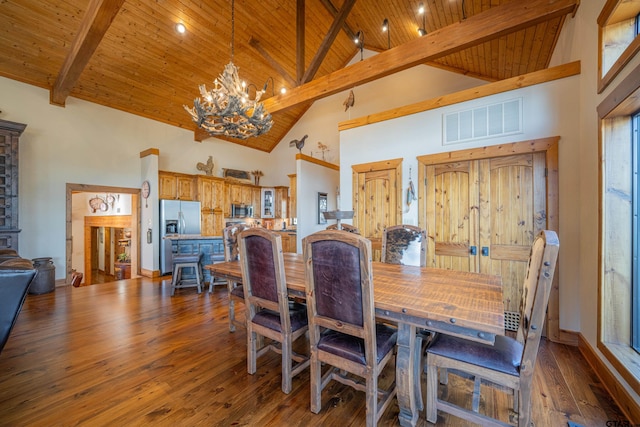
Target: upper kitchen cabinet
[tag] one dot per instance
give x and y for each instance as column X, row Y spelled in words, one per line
column 211, row 197
column 267, row 201
column 176, row 186
column 281, row 202
column 238, row 194
column 293, row 196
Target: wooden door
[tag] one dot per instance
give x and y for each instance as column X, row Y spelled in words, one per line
column 377, row 196
column 482, row 215
column 452, row 215
column 516, row 188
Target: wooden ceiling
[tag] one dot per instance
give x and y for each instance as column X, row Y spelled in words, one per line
column 126, row 54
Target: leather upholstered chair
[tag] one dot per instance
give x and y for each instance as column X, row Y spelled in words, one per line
column 345, row 227
column 404, row 244
column 236, row 291
column 16, row 276
column 510, row 361
column 343, row 333
column 269, row 312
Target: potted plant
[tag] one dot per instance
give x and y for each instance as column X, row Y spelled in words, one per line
column 123, row 257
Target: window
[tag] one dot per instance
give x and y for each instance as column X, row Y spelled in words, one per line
column 619, row 281
column 618, row 35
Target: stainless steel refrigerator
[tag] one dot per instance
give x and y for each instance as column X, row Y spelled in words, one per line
column 176, row 217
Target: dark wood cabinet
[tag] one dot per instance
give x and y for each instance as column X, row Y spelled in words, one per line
column 9, row 137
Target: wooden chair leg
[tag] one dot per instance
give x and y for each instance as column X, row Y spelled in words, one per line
column 372, row 401
column 316, row 384
column 232, row 314
column 286, row 366
column 524, row 408
column 251, row 351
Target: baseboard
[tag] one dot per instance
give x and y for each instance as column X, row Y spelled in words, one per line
column 620, row 395
column 150, row 273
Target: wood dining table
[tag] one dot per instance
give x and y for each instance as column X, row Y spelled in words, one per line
column 463, row 304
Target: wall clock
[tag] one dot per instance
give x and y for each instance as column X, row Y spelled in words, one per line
column 146, row 191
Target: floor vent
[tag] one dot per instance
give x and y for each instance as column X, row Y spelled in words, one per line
column 489, row 121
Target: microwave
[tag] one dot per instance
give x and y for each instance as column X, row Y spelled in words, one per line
column 241, row 211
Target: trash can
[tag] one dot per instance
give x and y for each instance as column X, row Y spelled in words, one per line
column 45, row 280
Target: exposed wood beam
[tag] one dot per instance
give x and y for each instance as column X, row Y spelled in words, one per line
column 328, row 40
column 95, row 23
column 491, row 24
column 334, row 12
column 254, row 43
column 300, row 27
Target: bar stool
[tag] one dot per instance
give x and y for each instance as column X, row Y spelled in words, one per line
column 181, row 261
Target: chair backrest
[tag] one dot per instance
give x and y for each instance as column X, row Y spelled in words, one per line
column 263, row 274
column 535, row 296
column 340, row 285
column 345, row 227
column 230, row 236
column 404, row 244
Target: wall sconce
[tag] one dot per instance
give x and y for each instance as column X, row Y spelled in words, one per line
column 359, row 40
column 421, row 11
column 385, row 29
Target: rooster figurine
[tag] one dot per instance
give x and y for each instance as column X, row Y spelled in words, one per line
column 206, row 167
column 298, row 143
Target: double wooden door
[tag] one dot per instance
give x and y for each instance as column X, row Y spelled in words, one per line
column 482, row 215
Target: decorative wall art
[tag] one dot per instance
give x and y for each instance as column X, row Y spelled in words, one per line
column 207, row 167
column 322, row 207
column 237, row 175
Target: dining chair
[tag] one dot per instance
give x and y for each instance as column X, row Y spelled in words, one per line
column 235, row 290
column 404, row 244
column 510, row 362
column 345, row 227
column 269, row 312
column 343, row 332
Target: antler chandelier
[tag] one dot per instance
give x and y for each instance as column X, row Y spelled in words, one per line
column 227, row 110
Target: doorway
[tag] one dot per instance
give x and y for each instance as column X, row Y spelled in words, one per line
column 86, row 238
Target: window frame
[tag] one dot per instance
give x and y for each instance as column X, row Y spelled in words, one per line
column 615, row 284
column 609, row 16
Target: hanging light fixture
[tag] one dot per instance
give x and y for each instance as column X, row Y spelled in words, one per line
column 385, row 29
column 226, row 109
column 359, row 40
column 422, row 31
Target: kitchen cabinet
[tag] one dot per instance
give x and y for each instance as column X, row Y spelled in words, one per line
column 176, row 186
column 281, row 202
column 289, row 243
column 267, row 200
column 255, row 200
column 293, row 196
column 239, row 194
column 9, row 137
column 211, row 197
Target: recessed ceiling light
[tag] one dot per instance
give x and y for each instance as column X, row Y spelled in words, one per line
column 181, row 28
column 283, row 90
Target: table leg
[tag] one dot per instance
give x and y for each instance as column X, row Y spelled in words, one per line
column 406, row 378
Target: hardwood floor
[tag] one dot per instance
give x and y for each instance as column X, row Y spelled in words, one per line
column 127, row 353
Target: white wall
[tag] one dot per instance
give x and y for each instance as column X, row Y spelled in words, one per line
column 312, row 179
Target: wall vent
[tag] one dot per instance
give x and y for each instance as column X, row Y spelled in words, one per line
column 490, row 121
